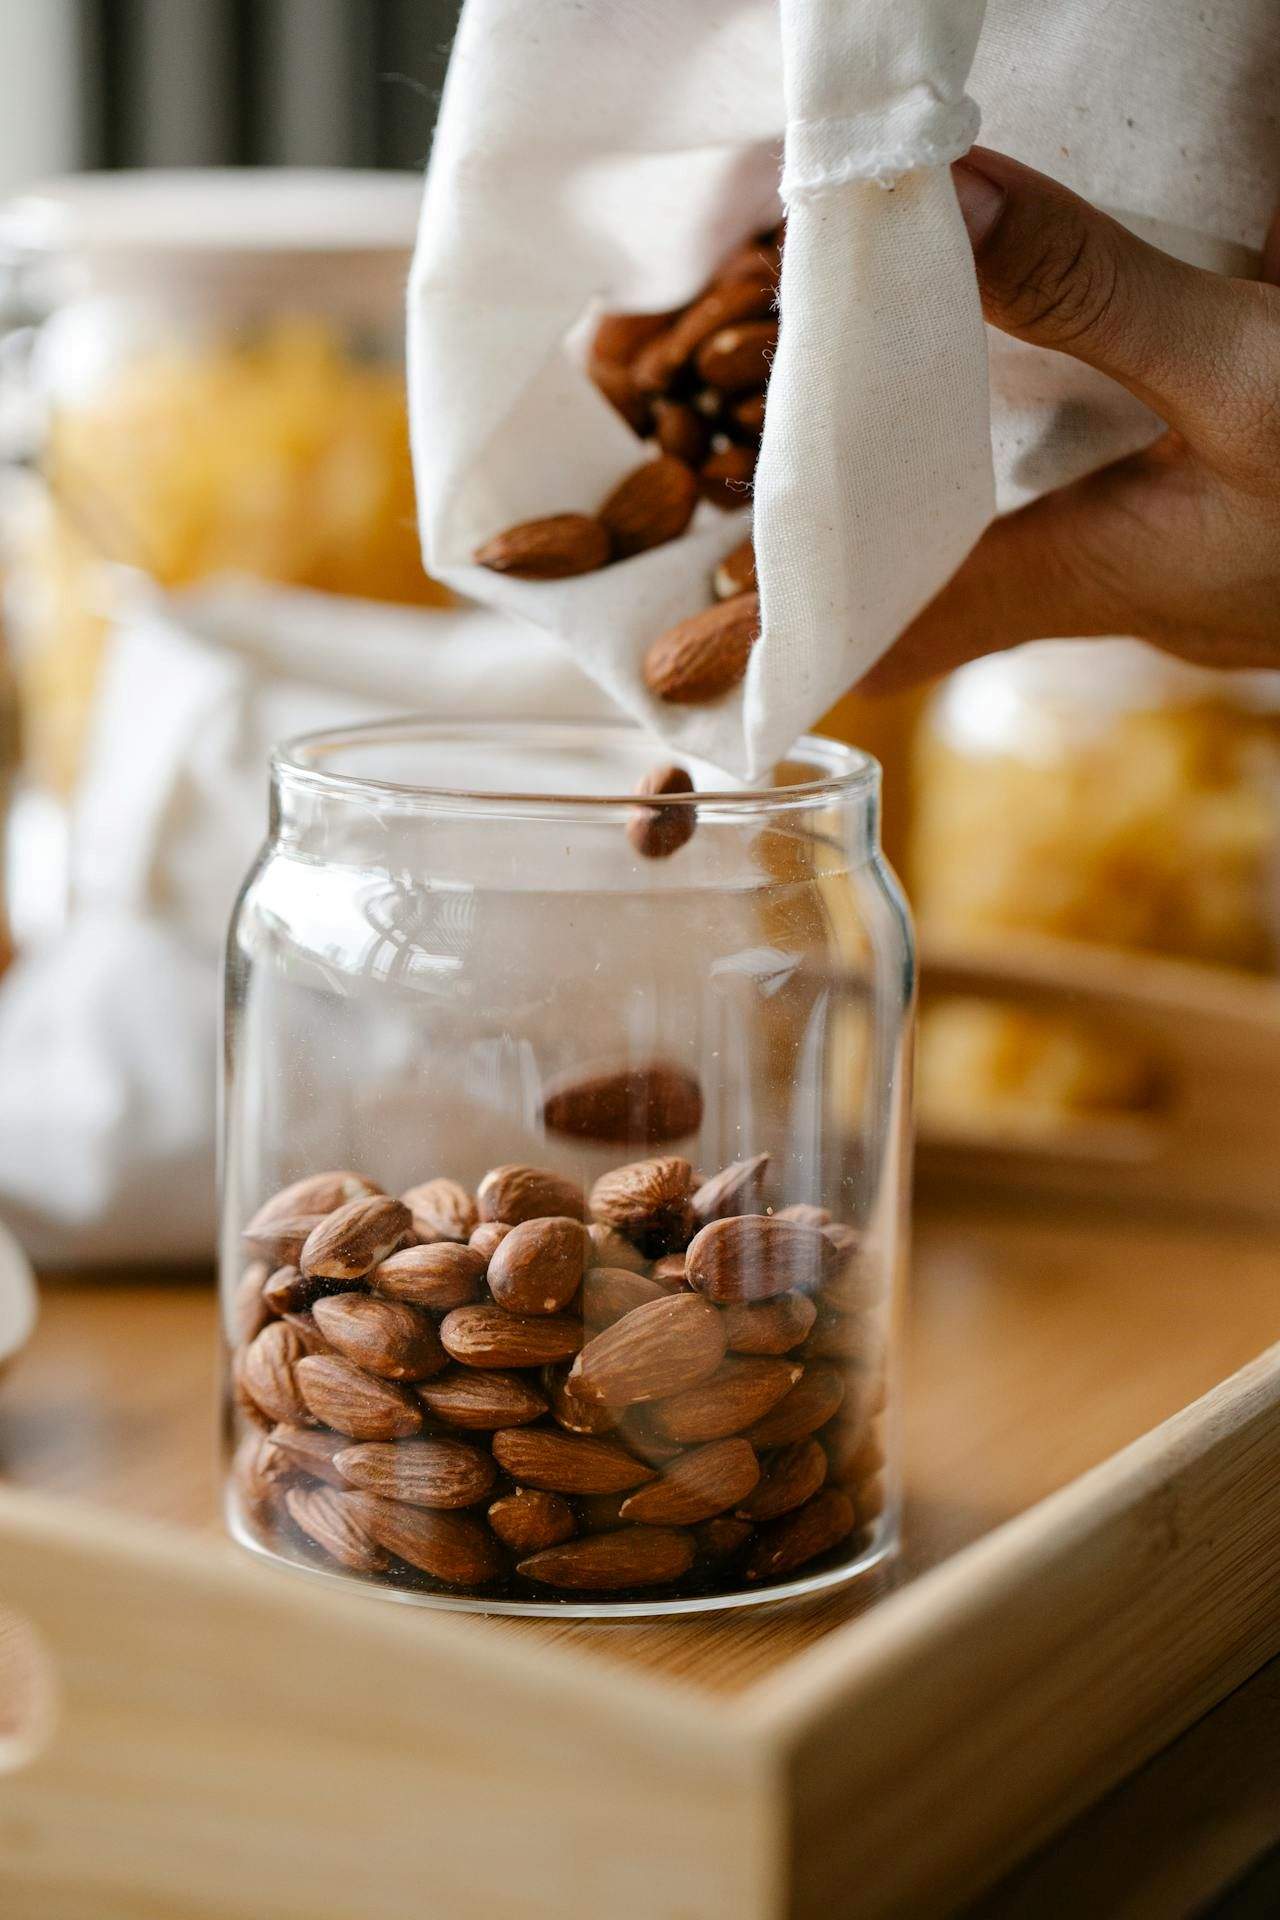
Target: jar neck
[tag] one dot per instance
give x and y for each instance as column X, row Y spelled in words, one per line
column 404, row 793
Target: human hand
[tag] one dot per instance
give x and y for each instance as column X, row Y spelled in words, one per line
column 1179, row 544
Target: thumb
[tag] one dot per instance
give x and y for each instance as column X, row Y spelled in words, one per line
column 1056, row 272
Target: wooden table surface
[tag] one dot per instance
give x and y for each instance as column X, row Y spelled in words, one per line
column 1038, row 1344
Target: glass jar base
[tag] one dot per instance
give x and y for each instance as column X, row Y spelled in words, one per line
column 880, row 1544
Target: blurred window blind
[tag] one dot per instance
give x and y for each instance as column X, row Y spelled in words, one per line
column 177, row 83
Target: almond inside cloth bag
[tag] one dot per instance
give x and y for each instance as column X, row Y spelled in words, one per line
column 607, row 158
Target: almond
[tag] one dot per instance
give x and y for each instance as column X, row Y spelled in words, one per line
column 719, row 1539
column 260, row 1472
column 267, row 1372
column 759, row 259
column 791, row 1476
column 610, row 1562
column 702, row 658
column 348, row 1244
column 514, row 1194
column 439, row 1276
column 737, row 357
column 609, row 1248
column 242, row 1399
column 738, row 1393
column 539, row 1265
column 382, row 1336
column 651, row 1353
column 451, row 1547
column 288, row 1291
column 756, row 1255
column 737, row 1189
column 850, row 1438
column 570, row 1410
column 809, row 1405
column 567, row 1462
column 482, row 1402
column 668, row 1272
column 646, row 1104
column 531, row 1518
column 311, row 1450
column 610, row 1292
column 332, row 1521
column 859, row 1280
column 553, row 548
column 696, row 1485
column 854, row 1448
column 736, row 573
column 870, row 1500
column 620, row 336
column 747, row 416
column 656, row 365
column 441, row 1210
column 249, row 1312
column 648, row 1200
column 804, row 1214
column 658, row 832
column 426, row 1473
column 845, row 1336
column 636, row 1432
column 486, row 1336
column 317, row 1193
column 726, row 478
column 801, row 1536
column 775, row 1326
column 616, row 382
column 341, row 1395
column 488, row 1237
column 681, row 431
column 280, row 1242
column 652, row 505
column 601, row 1512
column 304, row 1325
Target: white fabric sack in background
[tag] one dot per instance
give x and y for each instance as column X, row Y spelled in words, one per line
column 595, row 158
column 108, row 1033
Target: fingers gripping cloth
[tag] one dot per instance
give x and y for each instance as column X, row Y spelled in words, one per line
column 594, row 158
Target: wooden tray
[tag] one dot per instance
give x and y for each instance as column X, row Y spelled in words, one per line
column 232, row 1742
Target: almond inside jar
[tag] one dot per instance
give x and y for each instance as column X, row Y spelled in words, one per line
column 518, row 1415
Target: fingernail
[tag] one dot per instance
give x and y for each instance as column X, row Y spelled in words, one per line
column 981, row 202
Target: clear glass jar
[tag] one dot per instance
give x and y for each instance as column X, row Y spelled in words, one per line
column 1096, row 791
column 1100, row 791
column 205, row 371
column 470, row 969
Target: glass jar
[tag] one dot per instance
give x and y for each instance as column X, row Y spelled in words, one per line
column 205, row 371
column 1095, row 791
column 639, row 1073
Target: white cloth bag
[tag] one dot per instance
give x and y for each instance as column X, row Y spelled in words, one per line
column 605, row 156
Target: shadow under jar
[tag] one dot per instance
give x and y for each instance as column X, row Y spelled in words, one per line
column 565, row 1172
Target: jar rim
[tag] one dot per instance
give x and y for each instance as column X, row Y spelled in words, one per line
column 842, row 771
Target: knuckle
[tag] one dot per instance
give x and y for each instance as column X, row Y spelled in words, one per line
column 1256, row 376
column 1066, row 292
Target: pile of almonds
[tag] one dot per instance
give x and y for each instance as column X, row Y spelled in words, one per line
column 520, row 1393
column 694, row 382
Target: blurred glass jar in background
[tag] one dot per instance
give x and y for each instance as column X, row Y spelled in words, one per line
column 1095, row 791
column 208, row 377
column 466, row 971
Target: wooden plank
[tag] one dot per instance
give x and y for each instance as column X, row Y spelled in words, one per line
column 231, row 1743
column 938, row 1740
column 1194, row 1820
